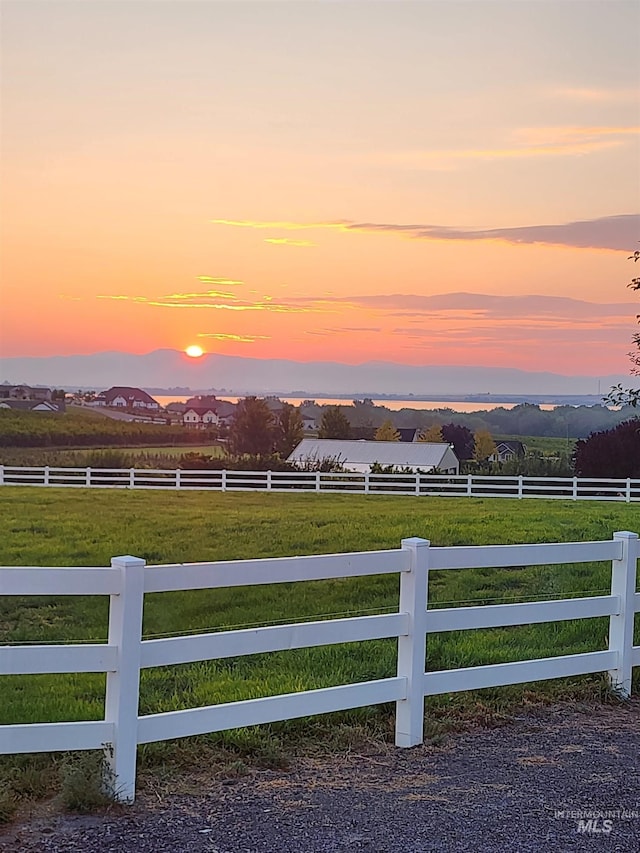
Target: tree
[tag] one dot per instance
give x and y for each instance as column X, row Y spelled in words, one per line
column 289, row 430
column 461, row 438
column 387, row 432
column 618, row 395
column 484, row 445
column 334, row 424
column 610, row 453
column 433, row 434
column 252, row 428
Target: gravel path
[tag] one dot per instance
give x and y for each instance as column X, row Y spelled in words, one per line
column 522, row 787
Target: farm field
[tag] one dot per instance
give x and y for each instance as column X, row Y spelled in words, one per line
column 87, row 528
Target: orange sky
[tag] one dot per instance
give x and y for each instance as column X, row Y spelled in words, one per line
column 343, row 181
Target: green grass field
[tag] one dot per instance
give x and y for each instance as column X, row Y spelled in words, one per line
column 87, row 527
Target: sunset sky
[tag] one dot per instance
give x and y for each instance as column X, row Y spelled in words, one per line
column 419, row 182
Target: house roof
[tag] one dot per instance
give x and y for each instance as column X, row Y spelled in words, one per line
column 201, row 410
column 420, row 454
column 30, row 405
column 407, row 434
column 127, row 393
column 514, row 446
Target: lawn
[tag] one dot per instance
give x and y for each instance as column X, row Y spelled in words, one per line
column 88, row 527
column 53, row 527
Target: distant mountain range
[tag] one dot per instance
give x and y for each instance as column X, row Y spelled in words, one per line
column 165, row 368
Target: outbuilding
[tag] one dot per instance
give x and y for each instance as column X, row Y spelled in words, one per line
column 361, row 455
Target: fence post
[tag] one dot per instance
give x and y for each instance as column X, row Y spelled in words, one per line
column 88, row 477
column 317, row 481
column 412, row 647
column 46, row 475
column 469, row 485
column 223, row 484
column 575, row 489
column 417, row 483
column 1, row 475
column 123, row 685
column 268, row 481
column 520, row 485
column 132, row 478
column 178, row 478
column 623, row 583
column 366, row 482
column 628, row 494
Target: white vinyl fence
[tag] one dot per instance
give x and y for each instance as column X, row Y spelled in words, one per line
column 465, row 485
column 123, row 656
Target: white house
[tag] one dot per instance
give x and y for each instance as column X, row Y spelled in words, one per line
column 361, row 455
column 124, row 397
column 200, row 416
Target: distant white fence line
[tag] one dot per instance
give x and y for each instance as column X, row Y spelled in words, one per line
column 465, row 485
column 123, row 656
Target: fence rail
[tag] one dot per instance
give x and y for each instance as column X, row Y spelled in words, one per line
column 465, row 485
column 125, row 653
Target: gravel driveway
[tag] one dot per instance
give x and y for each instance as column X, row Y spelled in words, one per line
column 558, row 779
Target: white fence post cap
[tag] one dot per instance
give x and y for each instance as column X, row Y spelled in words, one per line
column 416, row 542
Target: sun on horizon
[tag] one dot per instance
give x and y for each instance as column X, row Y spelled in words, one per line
column 194, row 351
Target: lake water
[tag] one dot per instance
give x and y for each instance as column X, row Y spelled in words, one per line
column 393, row 405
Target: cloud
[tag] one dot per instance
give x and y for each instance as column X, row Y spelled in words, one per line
column 244, row 339
column 283, row 226
column 489, row 305
column 527, row 143
column 284, row 241
column 615, row 233
column 185, row 300
column 213, row 294
column 222, row 282
column 344, row 329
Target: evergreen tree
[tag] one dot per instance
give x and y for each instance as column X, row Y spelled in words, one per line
column 289, row 430
column 334, row 424
column 252, row 428
column 432, row 434
column 387, row 432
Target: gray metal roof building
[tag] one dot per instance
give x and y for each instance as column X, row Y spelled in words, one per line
column 360, row 455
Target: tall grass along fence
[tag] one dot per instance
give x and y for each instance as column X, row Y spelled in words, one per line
column 125, row 653
column 568, row 488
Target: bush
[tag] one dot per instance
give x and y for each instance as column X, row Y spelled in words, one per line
column 611, row 453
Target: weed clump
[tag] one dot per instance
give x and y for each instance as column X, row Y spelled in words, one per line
column 84, row 783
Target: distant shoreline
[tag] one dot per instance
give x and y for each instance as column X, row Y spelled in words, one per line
column 496, row 399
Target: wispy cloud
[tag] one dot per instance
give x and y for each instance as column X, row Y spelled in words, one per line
column 284, row 241
column 243, row 339
column 210, row 294
column 615, row 233
column 477, row 305
column 221, row 282
column 528, row 143
column 210, row 301
column 281, row 225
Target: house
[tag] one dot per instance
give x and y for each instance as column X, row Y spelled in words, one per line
column 207, row 411
column 24, row 392
column 506, row 450
column 309, row 423
column 200, row 417
column 361, row 455
column 123, row 397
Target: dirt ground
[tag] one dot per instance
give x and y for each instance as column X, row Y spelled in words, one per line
column 557, row 779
